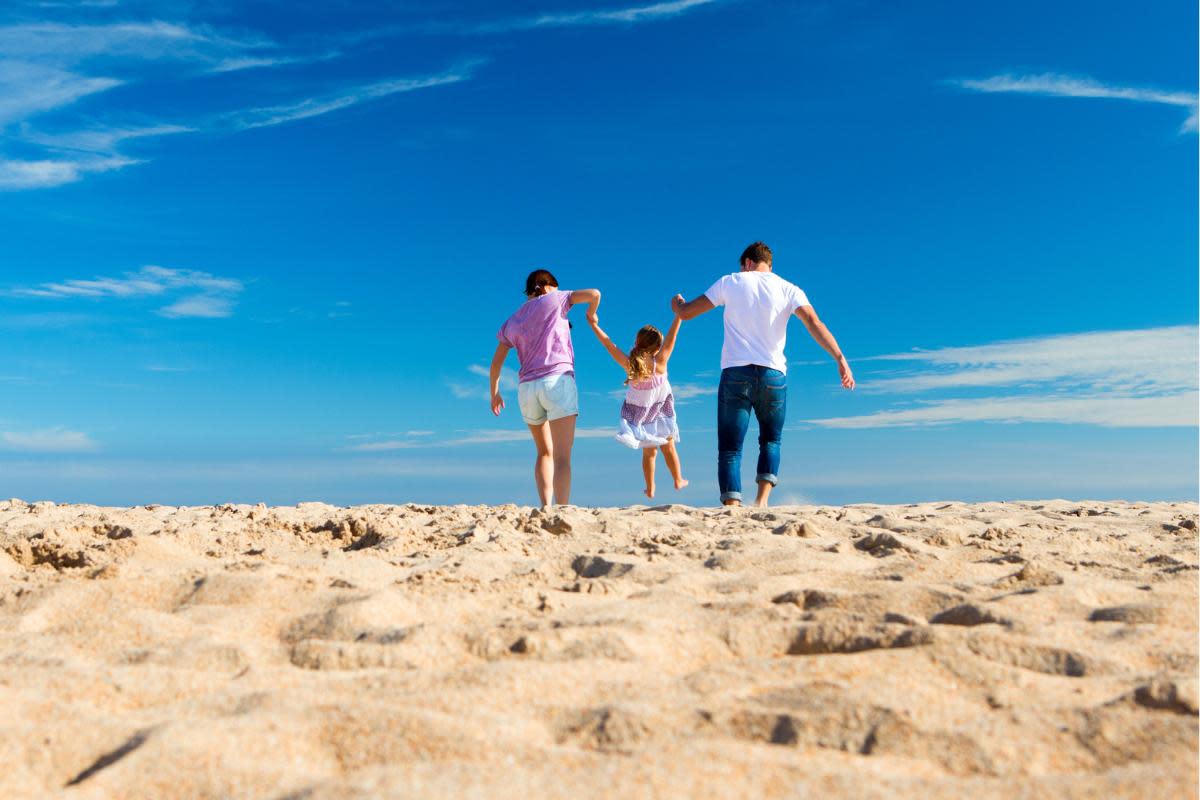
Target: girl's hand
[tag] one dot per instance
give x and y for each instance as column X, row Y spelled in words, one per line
column 593, row 318
column 497, row 404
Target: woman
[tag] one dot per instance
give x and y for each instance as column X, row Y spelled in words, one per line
column 546, row 392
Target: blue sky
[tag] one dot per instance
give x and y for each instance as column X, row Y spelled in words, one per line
column 260, row 251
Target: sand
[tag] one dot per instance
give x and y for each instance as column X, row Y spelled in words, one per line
column 1036, row 649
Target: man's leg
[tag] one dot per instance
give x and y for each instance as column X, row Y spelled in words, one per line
column 733, row 418
column 770, row 407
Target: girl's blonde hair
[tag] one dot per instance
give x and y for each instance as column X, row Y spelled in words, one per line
column 641, row 358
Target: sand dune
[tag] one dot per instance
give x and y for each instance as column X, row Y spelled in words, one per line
column 1043, row 649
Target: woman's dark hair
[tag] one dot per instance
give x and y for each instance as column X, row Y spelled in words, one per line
column 538, row 281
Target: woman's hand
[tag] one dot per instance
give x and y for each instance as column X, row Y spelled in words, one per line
column 497, row 403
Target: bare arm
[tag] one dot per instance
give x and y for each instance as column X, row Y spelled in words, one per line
column 589, row 296
column 817, row 329
column 612, row 349
column 494, row 377
column 695, row 308
column 668, row 345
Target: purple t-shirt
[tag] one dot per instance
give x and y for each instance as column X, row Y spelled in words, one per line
column 542, row 336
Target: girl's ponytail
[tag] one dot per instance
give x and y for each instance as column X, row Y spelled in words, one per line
column 641, row 358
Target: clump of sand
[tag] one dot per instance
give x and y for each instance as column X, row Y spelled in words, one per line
column 1042, row 649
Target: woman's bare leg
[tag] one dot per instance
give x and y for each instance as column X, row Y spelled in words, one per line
column 543, row 467
column 562, row 435
column 649, row 455
column 671, row 456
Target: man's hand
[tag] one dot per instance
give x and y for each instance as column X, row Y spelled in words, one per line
column 844, row 371
column 497, row 404
column 677, row 304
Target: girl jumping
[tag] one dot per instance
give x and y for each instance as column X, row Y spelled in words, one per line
column 648, row 413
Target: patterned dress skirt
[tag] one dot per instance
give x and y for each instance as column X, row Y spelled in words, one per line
column 648, row 414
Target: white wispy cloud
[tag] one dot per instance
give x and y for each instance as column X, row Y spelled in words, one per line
column 47, row 173
column 1151, row 360
column 478, row 389
column 47, row 440
column 27, row 89
column 344, row 98
column 1136, row 378
column 612, row 16
column 207, row 295
column 48, row 66
column 1168, row 411
column 1050, row 84
column 199, row 306
column 461, row 438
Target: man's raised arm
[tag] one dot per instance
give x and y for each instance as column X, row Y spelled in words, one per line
column 695, row 308
column 817, row 329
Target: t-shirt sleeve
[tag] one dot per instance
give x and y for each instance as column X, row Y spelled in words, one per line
column 716, row 292
column 565, row 303
column 502, row 335
column 799, row 298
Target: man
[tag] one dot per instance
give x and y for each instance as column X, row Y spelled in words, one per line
column 758, row 304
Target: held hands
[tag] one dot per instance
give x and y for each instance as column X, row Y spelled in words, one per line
column 677, row 304
column 497, row 404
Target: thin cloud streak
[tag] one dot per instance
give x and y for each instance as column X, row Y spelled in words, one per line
column 618, row 16
column 482, row 436
column 1147, row 360
column 211, row 296
column 1172, row 411
column 316, row 106
column 48, row 440
column 1051, row 84
column 1131, row 379
column 478, row 390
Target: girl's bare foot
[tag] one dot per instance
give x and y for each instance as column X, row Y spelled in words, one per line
column 649, row 491
column 679, row 484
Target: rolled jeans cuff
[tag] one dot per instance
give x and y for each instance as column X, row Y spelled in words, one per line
column 730, row 496
column 768, row 477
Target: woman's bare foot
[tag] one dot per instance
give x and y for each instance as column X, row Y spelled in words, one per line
column 679, row 484
column 649, row 491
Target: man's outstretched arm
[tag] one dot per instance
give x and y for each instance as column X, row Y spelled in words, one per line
column 817, row 329
column 695, row 308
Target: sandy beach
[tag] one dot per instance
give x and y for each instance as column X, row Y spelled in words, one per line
column 1034, row 649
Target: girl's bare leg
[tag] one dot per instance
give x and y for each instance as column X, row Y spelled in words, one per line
column 671, row 456
column 649, row 455
column 562, row 437
column 543, row 467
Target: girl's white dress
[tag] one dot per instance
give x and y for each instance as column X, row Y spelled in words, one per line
column 648, row 414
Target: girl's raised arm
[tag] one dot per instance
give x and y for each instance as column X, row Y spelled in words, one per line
column 668, row 345
column 612, row 349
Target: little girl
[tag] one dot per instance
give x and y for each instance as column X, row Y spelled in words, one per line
column 648, row 413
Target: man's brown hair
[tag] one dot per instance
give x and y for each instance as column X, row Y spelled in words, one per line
column 756, row 252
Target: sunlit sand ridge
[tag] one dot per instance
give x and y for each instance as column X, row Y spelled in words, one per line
column 1042, row 649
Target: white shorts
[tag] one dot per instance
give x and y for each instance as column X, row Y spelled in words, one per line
column 548, row 399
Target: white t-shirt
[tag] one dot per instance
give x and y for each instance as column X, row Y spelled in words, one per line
column 758, row 306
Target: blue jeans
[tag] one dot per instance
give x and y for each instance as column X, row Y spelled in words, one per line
column 742, row 390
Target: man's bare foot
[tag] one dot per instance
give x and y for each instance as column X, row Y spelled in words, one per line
column 679, row 484
column 731, row 502
column 649, row 491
